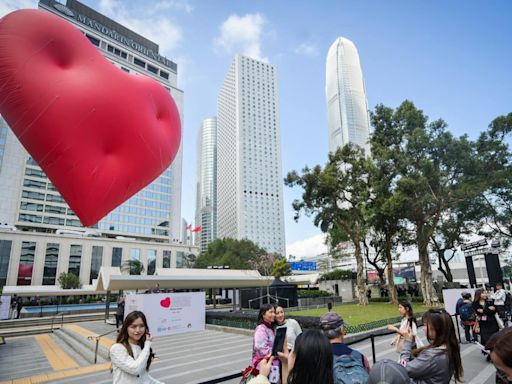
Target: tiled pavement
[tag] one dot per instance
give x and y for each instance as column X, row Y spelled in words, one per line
column 185, row 359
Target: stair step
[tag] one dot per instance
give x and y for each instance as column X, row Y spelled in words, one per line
column 78, row 347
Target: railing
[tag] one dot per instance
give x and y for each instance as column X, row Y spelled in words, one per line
column 56, row 316
column 97, row 339
column 371, row 337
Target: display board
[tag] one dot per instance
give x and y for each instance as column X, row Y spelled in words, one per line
column 5, row 306
column 450, row 297
column 170, row 313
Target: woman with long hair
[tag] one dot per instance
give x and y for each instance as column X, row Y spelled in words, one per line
column 408, row 320
column 439, row 361
column 310, row 362
column 293, row 328
column 485, row 316
column 263, row 341
column 132, row 355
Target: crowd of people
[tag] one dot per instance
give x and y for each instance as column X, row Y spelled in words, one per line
column 320, row 356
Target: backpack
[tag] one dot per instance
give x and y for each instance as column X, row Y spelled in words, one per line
column 349, row 369
column 466, row 312
column 508, row 301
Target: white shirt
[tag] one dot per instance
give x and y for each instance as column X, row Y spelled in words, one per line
column 293, row 330
column 499, row 297
column 131, row 370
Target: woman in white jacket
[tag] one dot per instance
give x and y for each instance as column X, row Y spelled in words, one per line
column 131, row 355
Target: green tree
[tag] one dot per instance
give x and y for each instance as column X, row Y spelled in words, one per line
column 281, row 268
column 434, row 172
column 69, row 281
column 337, row 197
column 133, row 267
column 237, row 254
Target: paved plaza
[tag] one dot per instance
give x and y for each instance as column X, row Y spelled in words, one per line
column 185, row 359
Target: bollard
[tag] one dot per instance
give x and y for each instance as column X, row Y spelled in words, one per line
column 373, row 349
column 329, row 306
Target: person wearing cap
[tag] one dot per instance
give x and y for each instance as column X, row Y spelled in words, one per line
column 333, row 327
column 388, row 372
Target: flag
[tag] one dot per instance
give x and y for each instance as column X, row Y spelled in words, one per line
column 196, row 229
column 189, row 227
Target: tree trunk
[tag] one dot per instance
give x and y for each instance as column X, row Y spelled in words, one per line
column 429, row 294
column 390, row 276
column 446, row 271
column 361, row 285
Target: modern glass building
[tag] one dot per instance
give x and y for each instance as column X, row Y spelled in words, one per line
column 206, row 203
column 347, row 108
column 249, row 174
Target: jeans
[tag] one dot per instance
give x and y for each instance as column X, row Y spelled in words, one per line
column 468, row 333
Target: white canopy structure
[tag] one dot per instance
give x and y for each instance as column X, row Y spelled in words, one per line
column 111, row 279
column 308, row 279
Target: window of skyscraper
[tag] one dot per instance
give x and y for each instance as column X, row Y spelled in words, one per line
column 50, row 263
column 96, row 261
column 151, row 261
column 5, row 256
column 75, row 259
column 26, row 265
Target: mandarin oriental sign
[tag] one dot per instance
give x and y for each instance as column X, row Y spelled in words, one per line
column 85, row 20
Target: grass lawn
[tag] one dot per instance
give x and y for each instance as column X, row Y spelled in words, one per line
column 354, row 314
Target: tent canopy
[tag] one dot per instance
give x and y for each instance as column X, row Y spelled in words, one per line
column 111, row 279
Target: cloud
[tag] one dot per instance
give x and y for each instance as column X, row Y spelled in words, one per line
column 242, row 34
column 308, row 247
column 306, row 49
column 179, row 5
column 7, row 6
column 142, row 21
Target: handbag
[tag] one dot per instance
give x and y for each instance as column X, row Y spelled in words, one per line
column 476, row 327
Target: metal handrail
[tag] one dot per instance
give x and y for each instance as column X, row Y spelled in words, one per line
column 97, row 339
column 61, row 315
column 372, row 337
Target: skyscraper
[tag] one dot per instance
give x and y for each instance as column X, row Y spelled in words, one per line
column 347, row 107
column 249, row 175
column 206, row 206
column 152, row 213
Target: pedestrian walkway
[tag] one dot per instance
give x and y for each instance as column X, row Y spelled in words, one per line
column 186, row 358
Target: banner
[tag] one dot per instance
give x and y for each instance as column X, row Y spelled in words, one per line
column 170, row 313
column 303, row 265
column 404, row 273
column 5, row 306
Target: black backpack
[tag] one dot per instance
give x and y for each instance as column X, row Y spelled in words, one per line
column 466, row 312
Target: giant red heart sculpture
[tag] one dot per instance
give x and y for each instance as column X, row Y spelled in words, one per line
column 100, row 134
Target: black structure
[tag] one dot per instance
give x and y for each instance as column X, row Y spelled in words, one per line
column 279, row 292
column 471, row 271
column 494, row 272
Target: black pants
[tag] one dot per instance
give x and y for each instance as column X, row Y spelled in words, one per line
column 19, row 312
column 467, row 331
column 119, row 320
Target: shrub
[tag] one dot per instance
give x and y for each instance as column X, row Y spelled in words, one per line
column 301, row 294
column 338, row 274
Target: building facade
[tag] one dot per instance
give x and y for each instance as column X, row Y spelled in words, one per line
column 347, row 108
column 249, row 174
column 30, row 202
column 206, row 196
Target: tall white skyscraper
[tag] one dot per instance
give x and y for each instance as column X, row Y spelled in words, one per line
column 249, row 175
column 347, row 107
column 206, row 205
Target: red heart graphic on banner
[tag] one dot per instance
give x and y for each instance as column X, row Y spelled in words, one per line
column 100, row 134
column 166, row 303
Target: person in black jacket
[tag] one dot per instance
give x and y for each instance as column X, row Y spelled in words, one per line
column 485, row 312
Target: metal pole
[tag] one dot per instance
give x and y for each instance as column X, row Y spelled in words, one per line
column 373, row 349
column 458, row 329
column 107, row 306
column 96, row 352
column 482, row 271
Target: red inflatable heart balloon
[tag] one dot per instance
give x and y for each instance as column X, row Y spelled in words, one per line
column 100, row 134
column 166, row 303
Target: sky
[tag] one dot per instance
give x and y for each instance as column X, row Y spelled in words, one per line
column 452, row 59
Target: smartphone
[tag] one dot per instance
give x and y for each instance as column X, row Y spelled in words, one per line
column 279, row 341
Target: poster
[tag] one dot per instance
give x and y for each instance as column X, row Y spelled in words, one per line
column 450, row 297
column 404, row 273
column 170, row 313
column 5, row 307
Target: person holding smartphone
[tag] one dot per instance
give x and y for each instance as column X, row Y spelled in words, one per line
column 408, row 321
column 132, row 355
column 263, row 342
